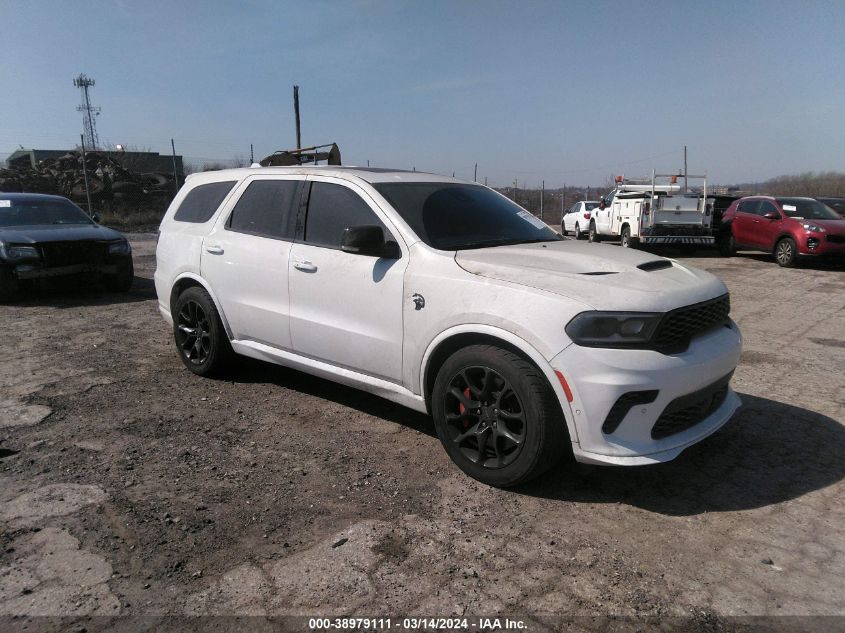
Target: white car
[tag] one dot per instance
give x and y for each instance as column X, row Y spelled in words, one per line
column 447, row 297
column 576, row 219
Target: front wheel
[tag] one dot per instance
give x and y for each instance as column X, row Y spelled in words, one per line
column 8, row 284
column 121, row 281
column 563, row 230
column 199, row 334
column 593, row 234
column 578, row 233
column 786, row 252
column 496, row 416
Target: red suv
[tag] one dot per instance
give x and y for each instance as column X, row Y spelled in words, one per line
column 788, row 228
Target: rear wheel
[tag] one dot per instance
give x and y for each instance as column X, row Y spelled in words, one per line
column 496, row 416
column 627, row 240
column 593, row 235
column 8, row 284
column 786, row 252
column 200, row 338
column 727, row 245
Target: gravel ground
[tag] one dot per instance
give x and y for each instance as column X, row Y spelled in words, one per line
column 131, row 487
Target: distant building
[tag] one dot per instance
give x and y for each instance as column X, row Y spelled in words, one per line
column 140, row 162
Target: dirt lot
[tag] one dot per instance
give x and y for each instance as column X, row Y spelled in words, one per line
column 130, row 486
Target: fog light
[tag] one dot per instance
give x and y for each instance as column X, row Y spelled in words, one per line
column 812, row 243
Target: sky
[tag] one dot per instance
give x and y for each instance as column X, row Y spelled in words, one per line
column 556, row 92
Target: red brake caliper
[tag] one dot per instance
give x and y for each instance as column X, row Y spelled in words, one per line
column 462, row 408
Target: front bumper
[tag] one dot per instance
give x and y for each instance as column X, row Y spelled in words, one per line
column 599, row 377
column 823, row 245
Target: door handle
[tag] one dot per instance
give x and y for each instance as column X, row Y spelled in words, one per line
column 214, row 250
column 305, row 266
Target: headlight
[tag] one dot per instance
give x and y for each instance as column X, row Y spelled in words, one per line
column 809, row 226
column 613, row 329
column 18, row 253
column 119, row 248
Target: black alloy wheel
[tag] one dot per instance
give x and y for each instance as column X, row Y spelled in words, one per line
column 201, row 340
column 497, row 416
column 485, row 417
column 193, row 333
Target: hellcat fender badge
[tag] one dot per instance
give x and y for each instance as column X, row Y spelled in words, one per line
column 419, row 301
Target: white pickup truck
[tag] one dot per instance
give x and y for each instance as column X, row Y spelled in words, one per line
column 655, row 212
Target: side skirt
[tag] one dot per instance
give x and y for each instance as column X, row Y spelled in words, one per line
column 376, row 386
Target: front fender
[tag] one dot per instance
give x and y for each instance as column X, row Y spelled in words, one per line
column 513, row 340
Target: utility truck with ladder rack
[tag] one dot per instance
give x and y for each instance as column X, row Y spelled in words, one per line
column 653, row 212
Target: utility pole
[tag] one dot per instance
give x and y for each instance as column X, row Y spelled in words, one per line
column 475, row 173
column 251, row 155
column 85, row 175
column 175, row 172
column 563, row 200
column 296, row 115
column 685, row 169
column 542, row 195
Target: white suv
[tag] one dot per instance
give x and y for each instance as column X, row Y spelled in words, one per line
column 448, row 298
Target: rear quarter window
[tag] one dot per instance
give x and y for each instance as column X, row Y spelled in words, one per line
column 202, row 201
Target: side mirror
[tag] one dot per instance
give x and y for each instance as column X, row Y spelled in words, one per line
column 602, row 204
column 771, row 215
column 96, row 218
column 368, row 239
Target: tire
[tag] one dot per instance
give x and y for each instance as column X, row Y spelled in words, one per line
column 593, row 235
column 8, row 284
column 786, row 252
column 626, row 240
column 210, row 353
column 578, row 234
column 727, row 245
column 525, row 444
column 563, row 230
column 122, row 280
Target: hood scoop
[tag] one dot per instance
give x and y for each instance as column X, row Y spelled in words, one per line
column 657, row 264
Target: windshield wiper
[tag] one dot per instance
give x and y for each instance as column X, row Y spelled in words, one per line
column 505, row 242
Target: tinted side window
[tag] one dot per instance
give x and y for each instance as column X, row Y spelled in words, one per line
column 331, row 209
column 202, row 201
column 265, row 208
column 749, row 206
column 767, row 207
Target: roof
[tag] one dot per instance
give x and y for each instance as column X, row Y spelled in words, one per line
column 28, row 196
column 367, row 174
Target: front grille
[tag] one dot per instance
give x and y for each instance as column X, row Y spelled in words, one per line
column 836, row 239
column 73, row 253
column 623, row 404
column 679, row 327
column 687, row 411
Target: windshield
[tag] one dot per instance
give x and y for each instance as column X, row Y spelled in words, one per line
column 34, row 211
column 453, row 217
column 807, row 209
column 836, row 205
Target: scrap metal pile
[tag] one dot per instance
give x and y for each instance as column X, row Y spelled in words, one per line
column 107, row 179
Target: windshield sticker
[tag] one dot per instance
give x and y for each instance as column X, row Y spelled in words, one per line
column 532, row 219
column 790, row 207
column 5, row 203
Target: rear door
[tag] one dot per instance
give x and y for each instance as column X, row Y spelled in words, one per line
column 245, row 258
column 744, row 221
column 346, row 309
